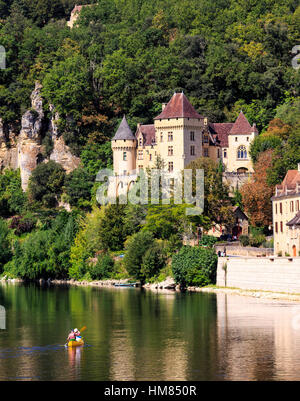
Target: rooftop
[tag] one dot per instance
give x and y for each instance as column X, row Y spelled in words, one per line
column 124, row 132
column 178, row 107
column 242, row 126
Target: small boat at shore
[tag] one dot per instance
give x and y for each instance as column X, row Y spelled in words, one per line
column 126, row 284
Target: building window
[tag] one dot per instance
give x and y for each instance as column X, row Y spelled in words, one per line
column 225, row 153
column 205, row 152
column 205, row 139
column 140, row 155
column 192, row 150
column 218, row 153
column 276, row 227
column 297, row 207
column 281, row 226
column 280, row 207
column 161, row 137
column 242, row 152
column 141, row 141
column 150, row 157
column 192, row 135
column 170, row 136
column 291, row 206
column 236, row 139
column 170, row 150
column 276, row 208
column 170, row 167
column 125, row 156
column 247, row 138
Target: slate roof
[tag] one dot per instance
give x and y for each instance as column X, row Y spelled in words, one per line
column 124, row 132
column 178, row 107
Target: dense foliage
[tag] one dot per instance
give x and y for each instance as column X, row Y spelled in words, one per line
column 195, row 266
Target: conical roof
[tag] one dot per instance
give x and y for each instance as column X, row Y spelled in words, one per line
column 178, row 107
column 124, row 132
column 241, row 126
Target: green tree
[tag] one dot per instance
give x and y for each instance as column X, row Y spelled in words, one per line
column 46, row 183
column 5, row 248
column 195, row 266
column 136, row 247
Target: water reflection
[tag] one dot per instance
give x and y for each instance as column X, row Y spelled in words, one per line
column 138, row 335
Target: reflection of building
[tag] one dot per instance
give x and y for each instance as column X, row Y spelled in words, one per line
column 286, row 215
column 180, row 135
column 257, row 338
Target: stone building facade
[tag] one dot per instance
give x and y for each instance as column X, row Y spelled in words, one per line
column 286, row 215
column 180, row 135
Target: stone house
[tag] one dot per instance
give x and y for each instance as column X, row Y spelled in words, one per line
column 286, row 215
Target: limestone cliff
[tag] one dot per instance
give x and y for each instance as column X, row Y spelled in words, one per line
column 24, row 150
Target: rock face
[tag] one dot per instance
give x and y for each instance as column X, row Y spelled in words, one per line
column 25, row 150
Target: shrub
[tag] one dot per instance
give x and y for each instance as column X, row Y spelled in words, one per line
column 208, row 240
column 244, row 240
column 22, row 225
column 195, row 266
column 257, row 240
column 103, row 268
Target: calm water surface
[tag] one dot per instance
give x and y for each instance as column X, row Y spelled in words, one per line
column 140, row 335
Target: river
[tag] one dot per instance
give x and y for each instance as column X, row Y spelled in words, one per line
column 134, row 334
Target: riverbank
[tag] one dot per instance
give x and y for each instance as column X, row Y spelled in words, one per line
column 169, row 286
column 248, row 293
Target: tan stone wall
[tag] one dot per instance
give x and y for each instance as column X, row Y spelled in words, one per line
column 265, row 274
column 120, row 165
column 234, row 141
column 284, row 241
column 181, row 143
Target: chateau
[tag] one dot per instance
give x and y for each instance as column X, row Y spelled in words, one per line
column 178, row 136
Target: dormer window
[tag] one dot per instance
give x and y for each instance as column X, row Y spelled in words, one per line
column 141, row 141
column 205, row 139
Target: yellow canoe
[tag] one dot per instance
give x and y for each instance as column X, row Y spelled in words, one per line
column 75, row 343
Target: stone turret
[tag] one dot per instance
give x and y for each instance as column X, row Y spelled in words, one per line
column 124, row 149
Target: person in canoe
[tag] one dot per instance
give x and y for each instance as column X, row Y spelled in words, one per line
column 77, row 335
column 71, row 336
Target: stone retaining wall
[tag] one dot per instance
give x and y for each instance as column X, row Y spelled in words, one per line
column 265, row 274
column 238, row 250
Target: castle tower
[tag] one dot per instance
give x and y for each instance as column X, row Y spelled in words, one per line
column 178, row 133
column 240, row 137
column 124, row 149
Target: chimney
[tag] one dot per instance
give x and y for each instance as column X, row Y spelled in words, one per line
column 163, row 106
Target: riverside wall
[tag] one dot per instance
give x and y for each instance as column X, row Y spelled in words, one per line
column 265, row 274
